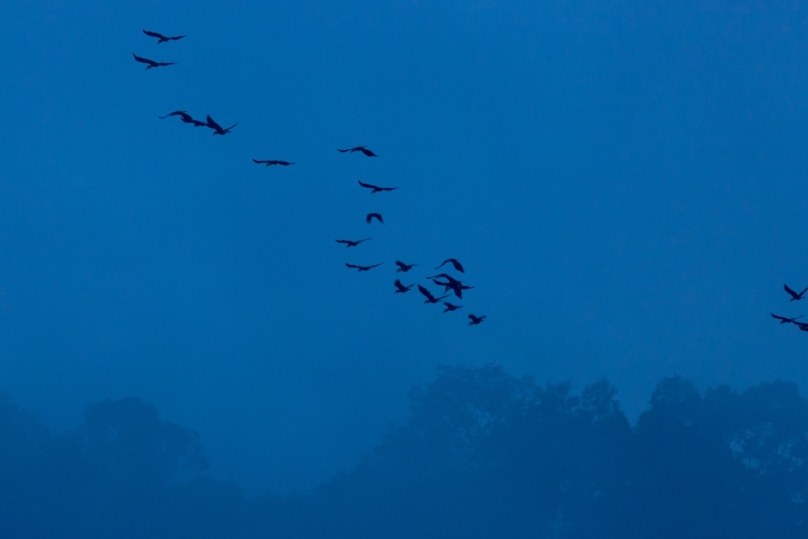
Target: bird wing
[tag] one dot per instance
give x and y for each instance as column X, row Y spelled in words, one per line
column 343, row 151
column 791, row 292
column 213, row 125
column 457, row 265
column 401, row 264
column 366, row 151
column 778, row 317
column 175, row 37
column 343, row 241
column 261, row 161
column 375, row 265
column 353, row 266
column 367, row 185
column 426, row 293
column 143, row 60
column 154, row 34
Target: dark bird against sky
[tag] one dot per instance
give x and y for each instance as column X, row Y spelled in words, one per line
column 428, row 295
column 351, row 243
column 784, row 320
column 362, row 149
column 451, row 307
column 404, row 267
column 375, row 188
column 185, row 117
column 363, row 268
column 476, row 319
column 270, row 162
column 455, row 263
column 160, row 37
column 401, row 288
column 793, row 294
column 369, row 217
column 151, row 63
column 217, row 129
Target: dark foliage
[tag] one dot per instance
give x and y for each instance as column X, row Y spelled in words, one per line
column 482, row 454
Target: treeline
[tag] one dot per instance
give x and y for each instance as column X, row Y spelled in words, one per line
column 482, row 454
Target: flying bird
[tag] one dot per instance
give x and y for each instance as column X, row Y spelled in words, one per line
column 404, row 267
column 375, row 188
column 175, row 113
column 185, row 117
column 151, row 63
column 794, row 295
column 270, row 162
column 160, row 37
column 217, row 129
column 802, row 325
column 456, row 286
column 784, row 320
column 350, row 243
column 362, row 149
column 450, row 307
column 455, row 263
column 429, row 297
column 401, row 288
column 476, row 319
column 369, row 217
column 363, row 268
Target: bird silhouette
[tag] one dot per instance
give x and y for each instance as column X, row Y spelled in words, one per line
column 456, row 286
column 451, row 307
column 175, row 113
column 362, row 149
column 160, row 37
column 369, row 217
column 185, row 117
column 783, row 319
column 350, row 243
column 217, row 129
column 151, row 63
column 401, row 288
column 404, row 267
column 802, row 325
column 270, row 162
column 457, row 265
column 794, row 295
column 476, row 319
column 429, row 297
column 363, row 268
column 375, row 188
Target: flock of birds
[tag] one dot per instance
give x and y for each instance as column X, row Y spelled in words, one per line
column 795, row 296
column 451, row 284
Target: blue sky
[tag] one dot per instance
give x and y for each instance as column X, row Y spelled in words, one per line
column 624, row 183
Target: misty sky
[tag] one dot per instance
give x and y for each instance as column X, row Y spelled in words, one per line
column 624, row 182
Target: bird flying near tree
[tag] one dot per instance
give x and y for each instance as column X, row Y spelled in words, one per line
column 217, row 129
column 457, row 265
column 362, row 149
column 784, row 320
column 404, row 267
column 378, row 216
column 270, row 162
column 151, row 63
column 794, row 296
column 363, row 268
column 476, row 319
column 375, row 188
column 401, row 288
column 160, row 37
column 351, row 243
